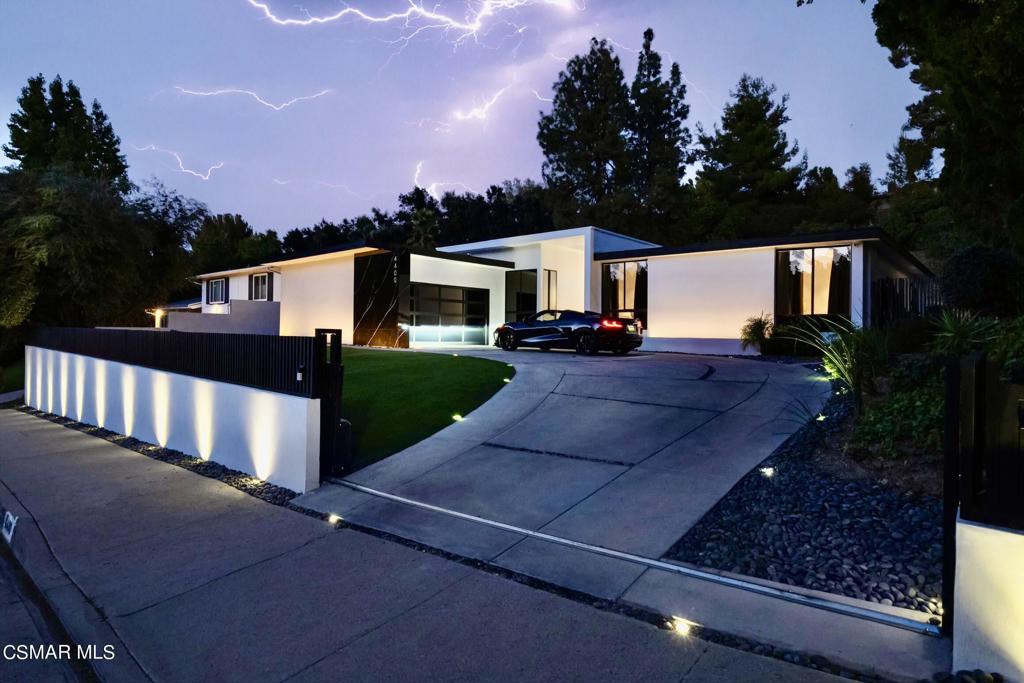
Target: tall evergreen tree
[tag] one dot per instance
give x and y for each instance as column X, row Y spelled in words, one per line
column 747, row 186
column 587, row 160
column 31, row 127
column 659, row 139
column 55, row 130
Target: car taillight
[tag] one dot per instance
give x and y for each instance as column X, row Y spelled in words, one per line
column 611, row 323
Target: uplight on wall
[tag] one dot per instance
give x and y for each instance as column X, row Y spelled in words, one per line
column 128, row 397
column 161, row 407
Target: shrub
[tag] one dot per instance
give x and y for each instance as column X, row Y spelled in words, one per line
column 910, row 335
column 958, row 332
column 756, row 332
column 851, row 355
column 980, row 279
column 1008, row 348
column 913, row 372
column 910, row 415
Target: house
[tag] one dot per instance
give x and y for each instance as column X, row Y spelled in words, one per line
column 691, row 299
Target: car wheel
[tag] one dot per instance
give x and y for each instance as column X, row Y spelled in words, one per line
column 586, row 343
column 508, row 341
column 545, row 348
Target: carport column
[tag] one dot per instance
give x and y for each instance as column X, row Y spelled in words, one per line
column 858, row 288
column 592, row 299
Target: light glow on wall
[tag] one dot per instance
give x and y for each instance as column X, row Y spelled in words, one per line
column 79, row 387
column 262, row 434
column 63, row 384
column 161, row 407
column 128, row 398
column 100, row 393
column 29, row 370
column 49, row 383
column 202, row 402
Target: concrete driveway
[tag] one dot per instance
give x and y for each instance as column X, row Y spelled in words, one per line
column 625, row 453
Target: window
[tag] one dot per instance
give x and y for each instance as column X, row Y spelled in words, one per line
column 520, row 294
column 259, row 287
column 624, row 290
column 546, row 317
column 551, row 287
column 813, row 281
column 217, row 291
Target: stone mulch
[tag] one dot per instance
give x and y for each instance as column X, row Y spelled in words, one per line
column 793, row 522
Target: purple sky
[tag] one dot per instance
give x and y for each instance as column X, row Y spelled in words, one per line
column 397, row 88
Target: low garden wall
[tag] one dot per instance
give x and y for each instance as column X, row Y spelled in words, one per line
column 988, row 629
column 273, row 436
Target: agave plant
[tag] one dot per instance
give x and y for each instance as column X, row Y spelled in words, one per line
column 960, row 332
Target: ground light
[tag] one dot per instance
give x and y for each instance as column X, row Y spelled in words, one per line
column 680, row 626
column 457, row 417
column 768, row 472
column 821, row 418
column 506, row 380
column 334, row 519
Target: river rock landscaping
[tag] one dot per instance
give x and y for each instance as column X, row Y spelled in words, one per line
column 796, row 521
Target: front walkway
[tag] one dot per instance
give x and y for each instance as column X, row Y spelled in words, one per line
column 192, row 580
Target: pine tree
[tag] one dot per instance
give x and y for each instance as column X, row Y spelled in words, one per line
column 587, row 162
column 54, row 130
column 658, row 137
column 31, row 127
column 746, row 186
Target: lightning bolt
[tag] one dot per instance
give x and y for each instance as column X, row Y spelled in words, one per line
column 181, row 166
column 539, row 97
column 418, row 17
column 480, row 112
column 432, row 188
column 668, row 55
column 250, row 93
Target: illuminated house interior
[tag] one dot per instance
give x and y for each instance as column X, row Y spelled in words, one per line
column 690, row 299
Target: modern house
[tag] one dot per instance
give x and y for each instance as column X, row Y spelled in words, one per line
column 692, row 299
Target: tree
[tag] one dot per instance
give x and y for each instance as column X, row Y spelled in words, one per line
column 746, row 186
column 658, row 140
column 968, row 57
column 587, row 162
column 910, row 161
column 227, row 241
column 422, row 229
column 58, row 132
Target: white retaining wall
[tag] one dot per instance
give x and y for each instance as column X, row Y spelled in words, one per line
column 273, row 436
column 988, row 617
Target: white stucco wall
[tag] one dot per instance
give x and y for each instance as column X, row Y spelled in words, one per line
column 238, row 288
column 702, row 300
column 275, row 437
column 988, row 621
column 438, row 271
column 317, row 294
column 566, row 257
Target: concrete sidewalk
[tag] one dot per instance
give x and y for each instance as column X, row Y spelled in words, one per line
column 190, row 580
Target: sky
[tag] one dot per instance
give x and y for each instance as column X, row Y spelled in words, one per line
column 332, row 109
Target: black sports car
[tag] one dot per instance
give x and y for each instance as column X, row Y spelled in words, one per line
column 586, row 332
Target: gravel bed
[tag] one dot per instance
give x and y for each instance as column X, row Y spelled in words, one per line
column 792, row 522
column 271, row 493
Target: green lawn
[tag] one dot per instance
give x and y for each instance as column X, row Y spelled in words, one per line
column 12, row 377
column 394, row 399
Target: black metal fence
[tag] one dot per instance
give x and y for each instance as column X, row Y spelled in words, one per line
column 286, row 365
column 902, row 298
column 988, row 446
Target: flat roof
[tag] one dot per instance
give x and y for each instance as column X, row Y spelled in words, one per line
column 360, row 246
column 849, row 235
column 532, row 237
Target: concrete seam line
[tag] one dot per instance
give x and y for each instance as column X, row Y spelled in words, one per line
column 766, row 591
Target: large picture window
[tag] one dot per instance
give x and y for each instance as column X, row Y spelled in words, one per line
column 624, row 290
column 813, row 281
column 520, row 294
